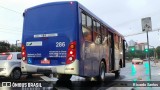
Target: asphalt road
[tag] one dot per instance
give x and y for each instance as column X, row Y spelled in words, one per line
column 128, row 74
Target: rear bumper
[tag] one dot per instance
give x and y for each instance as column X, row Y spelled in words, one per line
column 72, row 68
column 136, row 62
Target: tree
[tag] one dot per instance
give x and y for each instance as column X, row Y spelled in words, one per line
column 4, row 46
column 13, row 48
column 158, row 52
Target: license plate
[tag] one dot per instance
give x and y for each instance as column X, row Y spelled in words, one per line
column 45, row 61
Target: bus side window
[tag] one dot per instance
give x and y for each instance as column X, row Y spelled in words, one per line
column 107, row 35
column 98, row 36
column 94, row 30
column 83, row 19
column 109, row 38
column 116, row 41
column 87, row 34
column 104, row 38
column 89, row 23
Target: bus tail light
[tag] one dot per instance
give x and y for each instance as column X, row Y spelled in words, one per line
column 24, row 53
column 71, row 53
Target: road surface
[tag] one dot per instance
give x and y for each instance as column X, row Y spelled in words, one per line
column 128, row 74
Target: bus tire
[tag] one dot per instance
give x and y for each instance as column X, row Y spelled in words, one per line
column 117, row 74
column 64, row 77
column 102, row 71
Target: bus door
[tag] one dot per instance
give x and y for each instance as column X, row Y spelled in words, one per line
column 111, row 52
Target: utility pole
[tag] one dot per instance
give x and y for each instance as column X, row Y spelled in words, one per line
column 16, row 45
column 146, row 27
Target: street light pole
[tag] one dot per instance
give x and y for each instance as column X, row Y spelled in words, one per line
column 16, row 45
column 148, row 56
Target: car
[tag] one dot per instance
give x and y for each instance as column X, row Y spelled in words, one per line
column 145, row 59
column 10, row 65
column 137, row 61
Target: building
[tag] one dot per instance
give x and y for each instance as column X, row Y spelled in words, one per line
column 140, row 46
column 132, row 43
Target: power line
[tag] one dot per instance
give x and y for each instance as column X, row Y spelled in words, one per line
column 141, row 33
column 13, row 33
column 10, row 29
column 10, row 26
column 136, row 19
column 10, row 9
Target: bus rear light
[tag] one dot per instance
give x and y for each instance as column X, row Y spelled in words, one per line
column 72, row 46
column 70, row 58
column 24, row 53
column 71, row 54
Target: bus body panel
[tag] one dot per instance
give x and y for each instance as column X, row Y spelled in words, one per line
column 48, row 31
column 47, row 37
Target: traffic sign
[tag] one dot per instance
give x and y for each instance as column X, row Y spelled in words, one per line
column 146, row 24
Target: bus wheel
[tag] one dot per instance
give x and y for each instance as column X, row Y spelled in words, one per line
column 64, row 77
column 102, row 71
column 117, row 74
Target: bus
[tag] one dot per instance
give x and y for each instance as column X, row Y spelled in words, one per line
column 67, row 39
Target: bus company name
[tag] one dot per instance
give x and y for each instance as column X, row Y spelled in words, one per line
column 14, row 84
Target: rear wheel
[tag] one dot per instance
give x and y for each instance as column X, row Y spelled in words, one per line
column 16, row 74
column 102, row 71
column 64, row 77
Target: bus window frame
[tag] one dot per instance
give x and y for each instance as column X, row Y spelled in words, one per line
column 85, row 26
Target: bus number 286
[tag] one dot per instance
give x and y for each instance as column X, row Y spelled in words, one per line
column 60, row 44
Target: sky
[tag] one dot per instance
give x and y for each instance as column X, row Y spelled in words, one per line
column 122, row 15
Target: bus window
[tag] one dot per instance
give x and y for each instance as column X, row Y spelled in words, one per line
column 98, row 28
column 116, row 41
column 103, row 35
column 89, row 22
column 104, row 32
column 86, row 32
column 97, row 35
column 107, row 35
column 94, row 26
column 83, row 19
column 109, row 38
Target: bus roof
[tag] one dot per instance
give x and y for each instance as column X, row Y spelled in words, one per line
column 100, row 20
column 82, row 7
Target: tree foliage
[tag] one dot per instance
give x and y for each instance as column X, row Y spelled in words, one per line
column 139, row 54
column 158, row 52
column 6, row 47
